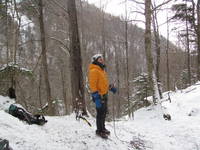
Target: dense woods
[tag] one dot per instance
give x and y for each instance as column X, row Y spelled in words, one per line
column 46, row 47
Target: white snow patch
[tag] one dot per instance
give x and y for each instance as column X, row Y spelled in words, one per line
column 148, row 130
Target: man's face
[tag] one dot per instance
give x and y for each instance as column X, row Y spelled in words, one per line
column 100, row 60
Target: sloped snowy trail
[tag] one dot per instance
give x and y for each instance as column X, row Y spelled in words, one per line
column 148, row 130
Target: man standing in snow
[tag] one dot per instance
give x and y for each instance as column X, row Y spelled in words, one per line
column 99, row 86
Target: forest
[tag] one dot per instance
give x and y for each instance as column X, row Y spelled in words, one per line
column 46, row 47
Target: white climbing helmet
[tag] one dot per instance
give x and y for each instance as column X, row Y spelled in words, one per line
column 95, row 57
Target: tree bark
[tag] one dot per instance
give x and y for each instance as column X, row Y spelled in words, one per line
column 7, row 23
column 117, row 48
column 16, row 32
column 127, row 60
column 149, row 59
column 198, row 39
column 167, row 57
column 64, row 90
column 103, row 41
column 76, row 61
column 44, row 58
column 152, row 77
column 188, row 46
column 157, row 49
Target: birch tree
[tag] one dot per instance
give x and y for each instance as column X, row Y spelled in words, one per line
column 148, row 49
column 157, row 48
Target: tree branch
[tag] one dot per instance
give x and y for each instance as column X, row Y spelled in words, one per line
column 137, row 2
column 137, row 12
column 66, row 51
column 61, row 42
column 59, row 5
column 160, row 5
column 135, row 20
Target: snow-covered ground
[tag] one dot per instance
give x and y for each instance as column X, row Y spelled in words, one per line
column 147, row 131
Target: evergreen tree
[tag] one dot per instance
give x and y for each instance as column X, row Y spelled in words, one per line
column 142, row 90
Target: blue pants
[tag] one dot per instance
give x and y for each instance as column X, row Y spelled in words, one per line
column 101, row 114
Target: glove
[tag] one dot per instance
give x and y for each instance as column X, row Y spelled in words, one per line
column 97, row 99
column 112, row 88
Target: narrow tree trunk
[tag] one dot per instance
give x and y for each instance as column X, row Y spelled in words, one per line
column 64, row 90
column 103, row 48
column 1, row 10
column 7, row 23
column 76, row 60
column 157, row 49
column 149, row 59
column 39, row 90
column 196, row 25
column 167, row 56
column 17, row 32
column 103, row 37
column 198, row 39
column 127, row 60
column 117, row 48
column 83, row 35
column 44, row 58
column 152, row 78
column 188, row 48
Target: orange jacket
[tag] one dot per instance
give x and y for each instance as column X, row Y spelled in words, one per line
column 98, row 80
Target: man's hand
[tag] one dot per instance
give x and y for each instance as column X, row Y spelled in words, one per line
column 112, row 88
column 97, row 99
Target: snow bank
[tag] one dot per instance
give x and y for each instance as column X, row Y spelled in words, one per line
column 148, row 130
column 60, row 133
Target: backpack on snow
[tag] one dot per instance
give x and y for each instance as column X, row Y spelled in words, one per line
column 23, row 115
column 4, row 145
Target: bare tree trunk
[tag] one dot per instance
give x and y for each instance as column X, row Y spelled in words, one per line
column 103, row 32
column 7, row 45
column 64, row 90
column 83, row 35
column 117, row 48
column 198, row 39
column 188, row 48
column 16, row 32
column 167, row 55
column 148, row 42
column 152, row 78
column 196, row 25
column 103, row 37
column 127, row 60
column 76, row 60
column 44, row 58
column 39, row 89
column 157, row 47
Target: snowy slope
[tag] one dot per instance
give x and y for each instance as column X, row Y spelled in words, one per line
column 147, row 131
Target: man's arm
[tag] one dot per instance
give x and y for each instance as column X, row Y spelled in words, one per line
column 93, row 80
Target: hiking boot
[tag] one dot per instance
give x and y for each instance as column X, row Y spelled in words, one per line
column 106, row 131
column 101, row 134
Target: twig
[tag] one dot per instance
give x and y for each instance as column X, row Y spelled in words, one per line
column 160, row 5
column 55, row 2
